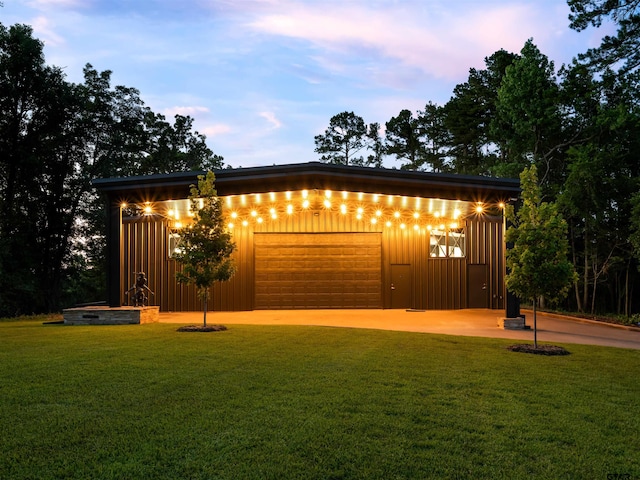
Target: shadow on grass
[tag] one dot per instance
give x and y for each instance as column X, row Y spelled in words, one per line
column 540, row 350
column 202, row 328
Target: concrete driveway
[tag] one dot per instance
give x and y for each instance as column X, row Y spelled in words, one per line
column 469, row 322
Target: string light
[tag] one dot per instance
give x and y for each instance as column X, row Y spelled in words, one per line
column 247, row 209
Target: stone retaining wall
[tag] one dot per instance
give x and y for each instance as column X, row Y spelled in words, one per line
column 110, row 316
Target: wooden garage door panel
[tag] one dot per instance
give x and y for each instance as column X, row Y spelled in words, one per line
column 335, row 270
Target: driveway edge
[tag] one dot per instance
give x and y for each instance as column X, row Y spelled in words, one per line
column 584, row 320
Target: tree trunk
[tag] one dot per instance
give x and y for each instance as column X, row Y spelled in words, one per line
column 206, row 296
column 576, row 284
column 585, row 279
column 535, row 324
column 593, row 298
column 626, row 291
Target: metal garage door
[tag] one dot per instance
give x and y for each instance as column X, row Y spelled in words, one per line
column 318, row 270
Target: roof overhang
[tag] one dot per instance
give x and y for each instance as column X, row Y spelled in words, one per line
column 315, row 175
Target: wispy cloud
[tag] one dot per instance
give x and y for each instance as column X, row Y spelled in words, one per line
column 262, row 77
column 47, row 4
column 272, row 119
column 439, row 44
column 45, row 30
column 216, row 129
column 191, row 111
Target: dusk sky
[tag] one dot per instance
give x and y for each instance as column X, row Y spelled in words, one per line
column 261, row 78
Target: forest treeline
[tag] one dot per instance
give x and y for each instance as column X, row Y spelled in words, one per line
column 55, row 138
column 579, row 125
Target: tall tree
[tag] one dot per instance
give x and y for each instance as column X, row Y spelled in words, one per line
column 405, row 140
column 528, row 115
column 37, row 110
column 437, row 137
column 634, row 236
column 344, row 139
column 601, row 176
column 55, row 137
column 468, row 115
column 537, row 263
column 376, row 146
column 205, row 245
column 621, row 47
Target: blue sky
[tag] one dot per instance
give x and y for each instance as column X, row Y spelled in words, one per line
column 261, row 78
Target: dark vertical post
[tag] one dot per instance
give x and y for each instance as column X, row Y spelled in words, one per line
column 114, row 252
column 512, row 303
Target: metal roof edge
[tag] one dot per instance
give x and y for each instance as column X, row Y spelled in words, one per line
column 310, row 168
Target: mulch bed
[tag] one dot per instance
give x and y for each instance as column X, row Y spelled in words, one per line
column 541, row 350
column 202, row 328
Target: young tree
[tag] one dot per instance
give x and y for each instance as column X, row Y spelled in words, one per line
column 206, row 246
column 537, row 263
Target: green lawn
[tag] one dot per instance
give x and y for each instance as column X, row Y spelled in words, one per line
column 284, row 402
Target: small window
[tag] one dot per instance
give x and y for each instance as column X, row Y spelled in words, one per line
column 447, row 243
column 457, row 244
column 174, row 243
column 438, row 243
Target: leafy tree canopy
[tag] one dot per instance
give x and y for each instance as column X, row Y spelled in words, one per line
column 621, row 47
column 55, row 138
column 527, row 119
column 537, row 263
column 345, row 139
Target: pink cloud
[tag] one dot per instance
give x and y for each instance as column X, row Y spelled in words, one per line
column 440, row 45
column 43, row 28
column 191, row 111
column 216, row 129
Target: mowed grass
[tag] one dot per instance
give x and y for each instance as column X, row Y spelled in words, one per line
column 286, row 402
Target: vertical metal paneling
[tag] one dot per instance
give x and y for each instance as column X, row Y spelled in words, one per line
column 438, row 283
column 486, row 246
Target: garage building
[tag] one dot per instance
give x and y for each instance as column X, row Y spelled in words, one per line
column 319, row 236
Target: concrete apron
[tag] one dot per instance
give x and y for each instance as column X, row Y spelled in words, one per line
column 469, row 322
